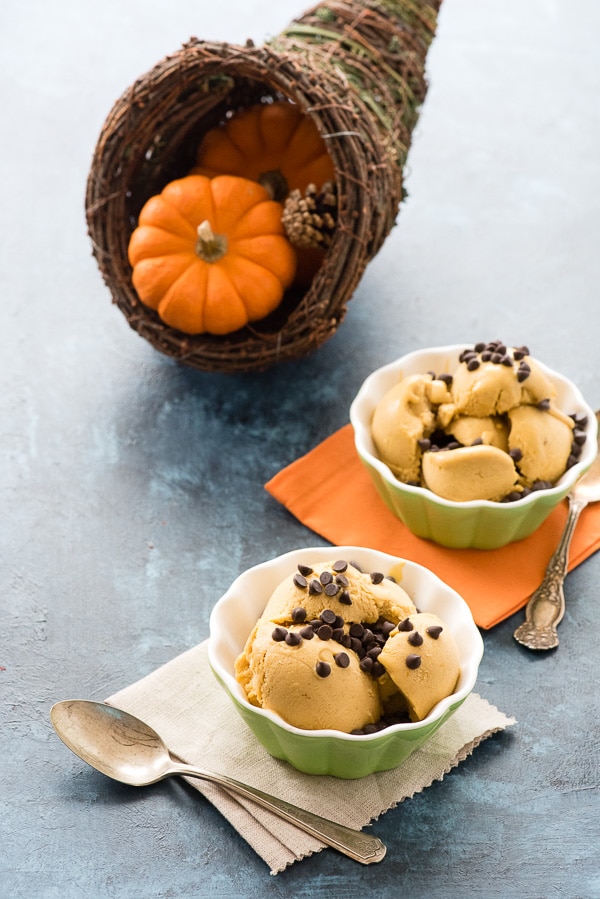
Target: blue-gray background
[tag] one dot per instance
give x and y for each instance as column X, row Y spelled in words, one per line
column 131, row 488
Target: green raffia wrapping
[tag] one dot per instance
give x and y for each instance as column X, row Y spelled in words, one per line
column 357, row 68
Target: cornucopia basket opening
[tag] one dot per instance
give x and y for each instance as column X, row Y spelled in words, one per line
column 357, row 69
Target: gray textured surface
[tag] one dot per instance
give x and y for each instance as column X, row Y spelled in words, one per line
column 132, row 489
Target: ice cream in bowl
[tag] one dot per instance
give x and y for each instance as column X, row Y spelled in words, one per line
column 343, row 660
column 472, row 445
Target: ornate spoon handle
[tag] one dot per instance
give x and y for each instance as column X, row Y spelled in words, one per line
column 359, row 846
column 546, row 606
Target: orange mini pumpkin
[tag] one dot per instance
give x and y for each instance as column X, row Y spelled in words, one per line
column 266, row 139
column 210, row 255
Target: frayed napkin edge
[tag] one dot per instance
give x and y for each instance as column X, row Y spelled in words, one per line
column 463, row 753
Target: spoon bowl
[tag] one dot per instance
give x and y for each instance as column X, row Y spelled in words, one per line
column 112, row 741
column 126, row 749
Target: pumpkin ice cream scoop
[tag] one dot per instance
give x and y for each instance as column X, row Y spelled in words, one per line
column 312, row 683
column 403, row 419
column 422, row 659
column 338, row 585
column 210, row 255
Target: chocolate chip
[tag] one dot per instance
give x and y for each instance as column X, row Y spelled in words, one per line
column 374, row 652
column 338, row 634
column 300, row 581
column 332, row 589
column 579, row 436
column 307, row 632
column 415, row 639
column 512, row 497
column 480, row 347
column 486, row 356
column 580, row 419
column 346, row 641
column 325, row 632
column 305, row 570
column 387, row 627
column 371, row 728
column 293, row 638
column 342, row 659
column 473, row 364
column 516, row 454
column 413, row 661
column 339, row 621
column 446, row 378
column 478, row 441
column 576, row 449
column 356, row 630
column 544, row 405
column 366, row 664
column 424, row 444
column 323, row 669
column 279, row 634
column 377, row 670
column 496, row 358
column 356, row 565
column 376, row 577
column 434, row 631
column 356, row 646
column 298, row 615
column 520, row 352
column 326, row 577
column 405, row 625
column 342, row 580
column 340, row 566
column 315, row 587
column 328, row 616
column 344, row 598
column 506, row 360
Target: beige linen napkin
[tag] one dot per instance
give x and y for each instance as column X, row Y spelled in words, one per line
column 183, row 701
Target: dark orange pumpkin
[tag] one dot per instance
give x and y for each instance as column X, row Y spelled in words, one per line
column 264, row 139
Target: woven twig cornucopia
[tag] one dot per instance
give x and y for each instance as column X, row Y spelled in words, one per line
column 357, row 68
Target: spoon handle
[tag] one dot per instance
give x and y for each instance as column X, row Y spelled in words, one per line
column 360, row 847
column 546, row 606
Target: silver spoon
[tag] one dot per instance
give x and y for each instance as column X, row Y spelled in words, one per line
column 128, row 750
column 546, row 606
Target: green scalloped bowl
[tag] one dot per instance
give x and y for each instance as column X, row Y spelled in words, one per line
column 478, row 524
column 329, row 752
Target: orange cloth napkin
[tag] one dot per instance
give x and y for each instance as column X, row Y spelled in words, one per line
column 330, row 492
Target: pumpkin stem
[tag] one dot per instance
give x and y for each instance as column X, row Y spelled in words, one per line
column 275, row 183
column 210, row 247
